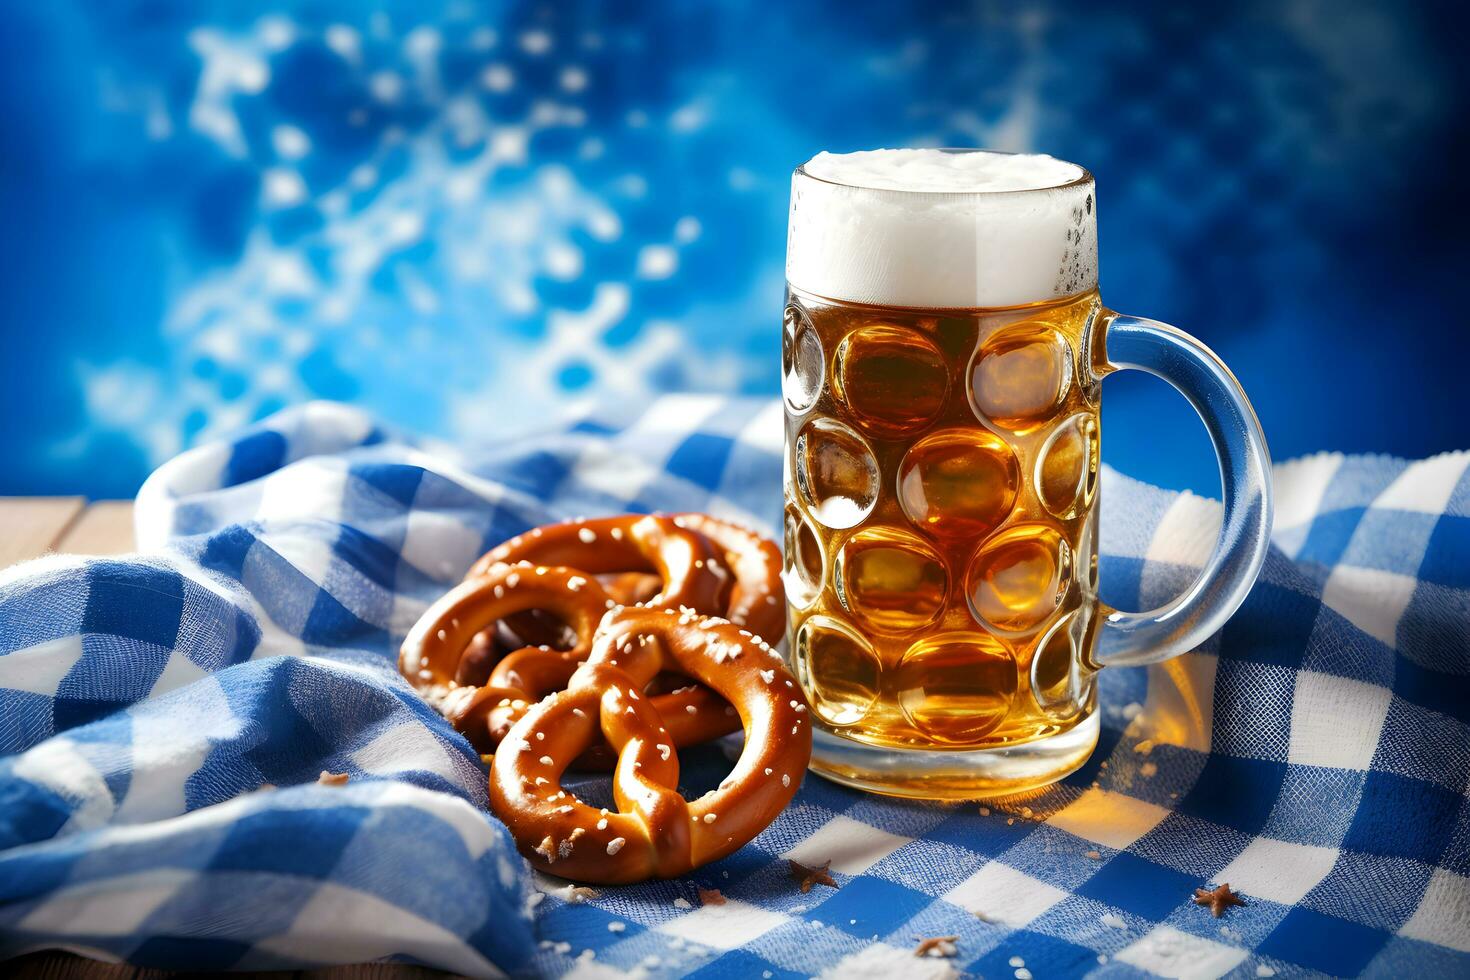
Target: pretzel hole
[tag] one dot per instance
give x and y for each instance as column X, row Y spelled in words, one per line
column 592, row 788
column 704, row 767
column 478, row 660
column 631, row 588
column 534, row 628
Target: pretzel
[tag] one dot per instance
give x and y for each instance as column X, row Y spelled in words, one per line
column 689, row 568
column 621, row 551
column 757, row 598
column 656, row 833
column 434, row 654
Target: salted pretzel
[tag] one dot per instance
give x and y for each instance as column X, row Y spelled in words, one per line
column 622, row 551
column 656, row 832
column 484, row 708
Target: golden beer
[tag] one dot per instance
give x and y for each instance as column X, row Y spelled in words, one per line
column 940, row 541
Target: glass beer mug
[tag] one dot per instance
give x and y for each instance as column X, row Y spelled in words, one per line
column 943, row 352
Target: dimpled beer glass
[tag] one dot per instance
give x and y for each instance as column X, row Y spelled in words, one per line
column 943, row 351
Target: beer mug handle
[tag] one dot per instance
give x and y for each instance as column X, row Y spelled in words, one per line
column 1129, row 638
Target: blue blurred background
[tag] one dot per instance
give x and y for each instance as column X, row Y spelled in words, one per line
column 466, row 216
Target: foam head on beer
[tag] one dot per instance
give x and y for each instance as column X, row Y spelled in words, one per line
column 941, row 229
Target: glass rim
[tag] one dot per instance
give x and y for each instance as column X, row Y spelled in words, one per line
column 1081, row 180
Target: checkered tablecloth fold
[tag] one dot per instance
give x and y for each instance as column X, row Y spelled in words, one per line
column 164, row 719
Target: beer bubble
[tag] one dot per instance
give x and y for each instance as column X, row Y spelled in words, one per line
column 1066, row 468
column 1020, row 376
column 803, row 564
column 890, row 580
column 956, row 687
column 1054, row 670
column 837, row 669
column 958, row 482
column 835, row 473
column 893, row 379
column 802, row 361
column 1087, row 555
column 1019, row 577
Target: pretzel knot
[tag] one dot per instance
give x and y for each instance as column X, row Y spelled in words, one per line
column 433, row 654
column 655, row 833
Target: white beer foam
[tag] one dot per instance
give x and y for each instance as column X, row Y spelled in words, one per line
column 941, row 229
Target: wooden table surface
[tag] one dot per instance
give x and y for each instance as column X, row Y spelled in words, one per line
column 29, row 528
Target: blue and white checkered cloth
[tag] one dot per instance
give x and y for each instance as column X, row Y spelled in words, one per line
column 163, row 720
